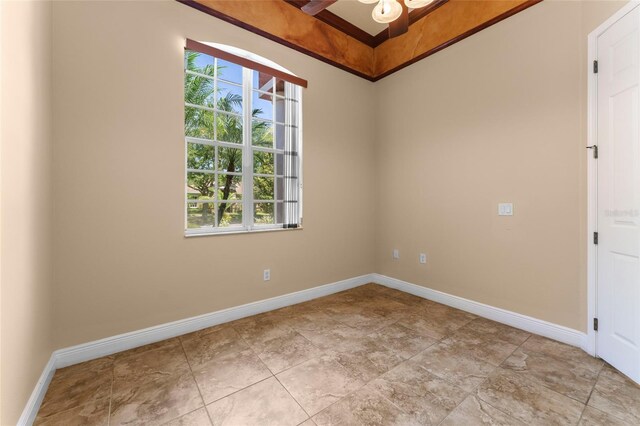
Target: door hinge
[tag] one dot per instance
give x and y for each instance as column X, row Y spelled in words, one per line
column 595, row 67
column 595, row 150
column 595, row 324
column 595, row 238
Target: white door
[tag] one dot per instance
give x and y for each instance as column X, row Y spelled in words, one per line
column 618, row 249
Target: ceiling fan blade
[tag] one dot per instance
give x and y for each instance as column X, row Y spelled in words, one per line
column 400, row 25
column 316, row 6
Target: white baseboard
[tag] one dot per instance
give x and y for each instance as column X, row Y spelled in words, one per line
column 110, row 345
column 122, row 342
column 533, row 325
column 33, row 405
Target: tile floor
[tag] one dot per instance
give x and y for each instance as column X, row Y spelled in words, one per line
column 367, row 356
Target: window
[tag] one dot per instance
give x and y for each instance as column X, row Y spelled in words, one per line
column 243, row 138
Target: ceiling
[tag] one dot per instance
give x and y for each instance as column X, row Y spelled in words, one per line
column 359, row 14
column 345, row 36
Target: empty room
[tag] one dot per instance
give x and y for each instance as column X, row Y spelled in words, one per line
column 320, row 212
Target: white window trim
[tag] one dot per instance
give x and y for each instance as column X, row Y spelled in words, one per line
column 248, row 225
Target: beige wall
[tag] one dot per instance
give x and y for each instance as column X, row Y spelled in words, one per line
column 498, row 117
column 417, row 161
column 25, row 202
column 121, row 260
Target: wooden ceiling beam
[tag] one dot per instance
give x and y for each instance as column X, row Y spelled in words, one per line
column 431, row 29
column 281, row 22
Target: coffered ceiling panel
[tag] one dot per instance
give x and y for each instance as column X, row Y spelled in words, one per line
column 343, row 33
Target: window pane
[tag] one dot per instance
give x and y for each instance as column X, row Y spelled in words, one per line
column 229, row 71
column 279, row 212
column 262, row 81
column 280, row 110
column 198, row 123
column 229, row 97
column 263, row 213
column 262, row 104
column 280, row 164
column 196, row 61
column 263, row 188
column 280, row 188
column 263, row 162
column 280, row 87
column 229, row 187
column 198, row 90
column 229, row 128
column 230, row 214
column 200, row 156
column 200, row 185
column 262, row 133
column 229, row 159
column 200, row 215
column 280, row 136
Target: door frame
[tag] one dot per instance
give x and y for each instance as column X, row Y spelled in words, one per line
column 592, row 173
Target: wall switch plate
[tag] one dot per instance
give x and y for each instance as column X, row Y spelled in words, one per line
column 505, row 209
column 266, row 275
column 423, row 258
column 396, row 254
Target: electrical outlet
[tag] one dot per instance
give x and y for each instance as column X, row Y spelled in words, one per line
column 396, row 254
column 423, row 258
column 266, row 275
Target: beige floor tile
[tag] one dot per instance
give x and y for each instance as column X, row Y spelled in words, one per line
column 203, row 349
column 265, row 403
column 404, row 341
column 229, row 373
column 474, row 411
column 310, row 320
column 381, row 365
column 483, row 348
column 617, row 395
column 364, row 407
column 359, row 364
column 155, row 402
column 427, row 398
column 565, row 376
column 133, row 370
column 319, row 382
column 92, row 413
column 78, row 385
column 261, row 328
column 493, row 330
column 594, row 417
column 194, row 418
column 174, row 342
column 448, row 362
column 286, row 351
column 563, row 352
column 528, row 401
column 339, row 338
column 437, row 321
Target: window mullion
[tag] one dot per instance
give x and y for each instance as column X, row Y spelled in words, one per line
column 247, row 153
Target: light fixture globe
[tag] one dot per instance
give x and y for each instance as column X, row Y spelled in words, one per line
column 368, row 1
column 386, row 11
column 416, row 4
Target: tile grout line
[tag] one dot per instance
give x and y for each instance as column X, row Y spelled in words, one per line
column 544, row 385
column 497, row 368
column 113, row 379
column 193, row 376
column 604, row 364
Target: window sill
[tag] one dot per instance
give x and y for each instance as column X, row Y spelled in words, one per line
column 243, row 231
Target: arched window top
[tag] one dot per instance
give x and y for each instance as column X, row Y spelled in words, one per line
column 248, row 55
column 245, row 59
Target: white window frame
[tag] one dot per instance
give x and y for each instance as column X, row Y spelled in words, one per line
column 248, row 201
